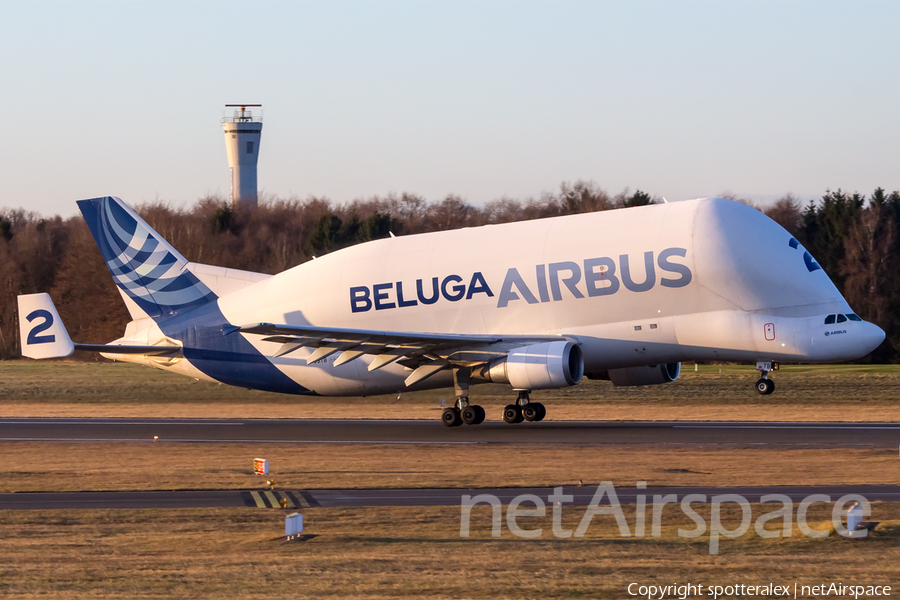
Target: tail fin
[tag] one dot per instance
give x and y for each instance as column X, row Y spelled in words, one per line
column 40, row 328
column 145, row 267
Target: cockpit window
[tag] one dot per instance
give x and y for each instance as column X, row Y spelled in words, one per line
column 853, row 317
column 829, row 320
column 842, row 319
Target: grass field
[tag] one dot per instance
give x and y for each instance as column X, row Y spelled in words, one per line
column 814, row 393
column 403, row 553
column 417, row 552
column 32, row 466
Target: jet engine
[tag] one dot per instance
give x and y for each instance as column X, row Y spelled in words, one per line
column 538, row 367
column 649, row 375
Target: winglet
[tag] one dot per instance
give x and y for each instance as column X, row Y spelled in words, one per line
column 41, row 330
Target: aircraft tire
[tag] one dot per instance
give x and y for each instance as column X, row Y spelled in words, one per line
column 542, row 412
column 450, row 417
column 469, row 415
column 765, row 386
column 530, row 412
column 512, row 414
column 481, row 415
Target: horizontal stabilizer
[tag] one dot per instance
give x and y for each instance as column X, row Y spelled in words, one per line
column 123, row 349
column 44, row 336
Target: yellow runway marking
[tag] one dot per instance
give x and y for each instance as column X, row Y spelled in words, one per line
column 280, row 499
column 258, row 499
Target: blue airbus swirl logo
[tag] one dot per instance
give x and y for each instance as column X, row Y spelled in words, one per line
column 808, row 260
column 142, row 265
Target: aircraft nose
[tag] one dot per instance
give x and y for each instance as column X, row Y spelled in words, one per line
column 872, row 336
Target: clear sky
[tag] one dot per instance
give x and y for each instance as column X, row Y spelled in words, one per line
column 479, row 99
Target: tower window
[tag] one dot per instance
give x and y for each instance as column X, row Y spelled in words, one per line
column 249, row 147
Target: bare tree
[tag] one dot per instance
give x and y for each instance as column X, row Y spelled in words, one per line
column 787, row 211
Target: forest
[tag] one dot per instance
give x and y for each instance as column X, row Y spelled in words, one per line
column 853, row 237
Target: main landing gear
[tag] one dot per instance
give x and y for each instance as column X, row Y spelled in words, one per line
column 462, row 412
column 764, row 385
column 524, row 410
column 472, row 414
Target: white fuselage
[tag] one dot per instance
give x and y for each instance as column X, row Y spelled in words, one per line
column 698, row 280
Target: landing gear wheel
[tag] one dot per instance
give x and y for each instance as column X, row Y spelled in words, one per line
column 513, row 414
column 542, row 412
column 530, row 412
column 765, row 386
column 472, row 415
column 450, row 417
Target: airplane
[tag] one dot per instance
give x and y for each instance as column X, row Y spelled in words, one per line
column 624, row 295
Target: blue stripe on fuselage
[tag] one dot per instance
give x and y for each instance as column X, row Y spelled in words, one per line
column 230, row 359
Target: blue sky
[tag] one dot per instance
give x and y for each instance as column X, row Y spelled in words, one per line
column 480, row 99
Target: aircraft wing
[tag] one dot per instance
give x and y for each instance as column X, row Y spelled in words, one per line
column 426, row 353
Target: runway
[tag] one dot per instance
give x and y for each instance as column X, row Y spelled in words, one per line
column 310, row 499
column 299, row 431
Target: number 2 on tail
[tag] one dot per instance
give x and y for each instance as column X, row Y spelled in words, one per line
column 33, row 337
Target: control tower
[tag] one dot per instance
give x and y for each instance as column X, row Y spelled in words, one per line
column 242, row 134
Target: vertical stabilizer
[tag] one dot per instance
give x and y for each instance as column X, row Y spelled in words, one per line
column 146, row 268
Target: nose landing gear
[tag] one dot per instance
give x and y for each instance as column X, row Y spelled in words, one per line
column 764, row 385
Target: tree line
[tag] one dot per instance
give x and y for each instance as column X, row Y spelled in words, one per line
column 853, row 238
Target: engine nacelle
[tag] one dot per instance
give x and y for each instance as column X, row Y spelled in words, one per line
column 649, row 375
column 538, row 367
